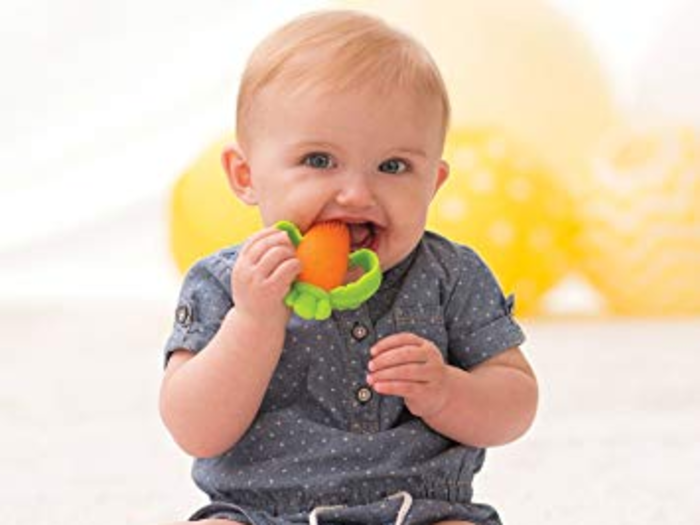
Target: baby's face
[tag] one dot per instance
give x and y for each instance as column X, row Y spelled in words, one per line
column 372, row 162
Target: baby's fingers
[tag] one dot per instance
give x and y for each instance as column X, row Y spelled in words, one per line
column 285, row 273
column 394, row 341
column 411, row 373
column 396, row 357
column 261, row 242
column 273, row 258
column 405, row 389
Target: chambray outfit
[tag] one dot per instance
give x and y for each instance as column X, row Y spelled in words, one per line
column 325, row 448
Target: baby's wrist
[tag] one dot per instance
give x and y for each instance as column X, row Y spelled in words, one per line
column 255, row 326
column 441, row 407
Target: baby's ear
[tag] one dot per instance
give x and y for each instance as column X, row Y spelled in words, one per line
column 442, row 174
column 238, row 174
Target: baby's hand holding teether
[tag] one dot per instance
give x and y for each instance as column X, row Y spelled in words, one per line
column 264, row 270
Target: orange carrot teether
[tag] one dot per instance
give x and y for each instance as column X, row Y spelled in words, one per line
column 323, row 252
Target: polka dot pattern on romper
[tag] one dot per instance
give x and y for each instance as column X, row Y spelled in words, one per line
column 321, row 435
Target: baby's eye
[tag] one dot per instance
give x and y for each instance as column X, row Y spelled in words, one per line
column 393, row 166
column 319, row 161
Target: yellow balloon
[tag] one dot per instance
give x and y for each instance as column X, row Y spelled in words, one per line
column 507, row 204
column 519, row 66
column 204, row 214
column 640, row 214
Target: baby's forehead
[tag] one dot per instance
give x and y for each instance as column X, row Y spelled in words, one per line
column 347, row 90
column 332, row 105
column 349, row 127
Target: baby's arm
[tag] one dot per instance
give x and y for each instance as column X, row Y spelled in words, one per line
column 209, row 399
column 492, row 404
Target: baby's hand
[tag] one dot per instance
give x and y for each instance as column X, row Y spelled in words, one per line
column 411, row 367
column 264, row 271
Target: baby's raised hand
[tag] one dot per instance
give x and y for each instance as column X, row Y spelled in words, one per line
column 264, row 271
column 411, row 367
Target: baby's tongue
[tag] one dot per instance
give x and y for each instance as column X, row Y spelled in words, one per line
column 360, row 235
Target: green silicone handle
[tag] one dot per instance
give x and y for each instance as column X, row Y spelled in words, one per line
column 352, row 295
column 294, row 234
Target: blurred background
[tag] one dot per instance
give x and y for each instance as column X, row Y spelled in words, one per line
column 575, row 149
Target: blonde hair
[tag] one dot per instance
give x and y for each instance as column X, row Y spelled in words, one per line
column 339, row 49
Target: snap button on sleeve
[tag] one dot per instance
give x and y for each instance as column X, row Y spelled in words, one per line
column 359, row 332
column 183, row 315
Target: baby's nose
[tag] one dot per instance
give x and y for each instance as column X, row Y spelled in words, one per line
column 355, row 191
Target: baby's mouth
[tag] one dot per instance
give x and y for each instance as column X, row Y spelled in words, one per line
column 363, row 235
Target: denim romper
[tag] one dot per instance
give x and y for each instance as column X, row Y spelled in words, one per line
column 324, row 447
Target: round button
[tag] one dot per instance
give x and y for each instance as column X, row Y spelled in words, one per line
column 364, row 394
column 359, row 332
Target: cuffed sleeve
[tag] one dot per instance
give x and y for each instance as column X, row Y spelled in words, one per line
column 204, row 300
column 479, row 317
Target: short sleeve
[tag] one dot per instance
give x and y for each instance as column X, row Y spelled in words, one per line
column 204, row 300
column 479, row 318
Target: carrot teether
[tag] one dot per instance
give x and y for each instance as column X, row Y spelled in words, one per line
column 323, row 253
column 325, row 256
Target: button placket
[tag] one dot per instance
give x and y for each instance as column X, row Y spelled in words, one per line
column 358, row 330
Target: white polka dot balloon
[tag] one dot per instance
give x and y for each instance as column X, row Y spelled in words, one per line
column 640, row 214
column 507, row 204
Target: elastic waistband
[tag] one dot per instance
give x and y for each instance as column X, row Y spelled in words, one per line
column 293, row 500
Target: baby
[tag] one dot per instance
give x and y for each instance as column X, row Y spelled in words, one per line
column 379, row 414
